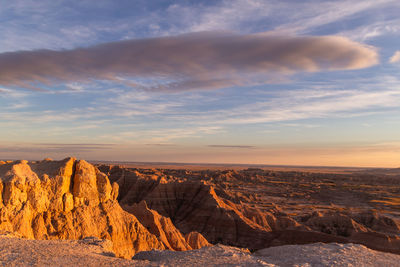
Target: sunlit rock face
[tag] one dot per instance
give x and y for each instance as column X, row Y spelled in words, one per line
column 196, row 240
column 68, row 199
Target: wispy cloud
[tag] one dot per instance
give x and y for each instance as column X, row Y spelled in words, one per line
column 75, row 145
column 344, row 104
column 373, row 30
column 222, row 15
column 9, row 93
column 160, row 136
column 326, row 12
column 55, row 148
column 128, row 119
column 205, row 60
column 232, row 146
column 300, row 17
column 290, row 107
column 161, row 145
column 395, row 58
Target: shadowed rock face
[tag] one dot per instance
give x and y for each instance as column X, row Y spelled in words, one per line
column 194, row 206
column 134, row 186
column 164, row 229
column 375, row 231
column 378, row 222
column 67, row 199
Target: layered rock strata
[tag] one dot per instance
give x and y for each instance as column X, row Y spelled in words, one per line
column 194, row 206
column 163, row 228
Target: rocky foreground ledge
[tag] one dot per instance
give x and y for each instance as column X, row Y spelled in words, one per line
column 93, row 252
column 72, row 199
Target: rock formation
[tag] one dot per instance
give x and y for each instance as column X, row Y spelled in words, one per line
column 191, row 206
column 378, row 222
column 133, row 185
column 196, row 240
column 195, row 206
column 181, row 209
column 237, row 207
column 67, row 199
column 164, row 229
column 336, row 224
column 361, row 228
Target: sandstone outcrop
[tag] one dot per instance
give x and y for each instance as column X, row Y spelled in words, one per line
column 160, row 226
column 196, row 240
column 68, row 199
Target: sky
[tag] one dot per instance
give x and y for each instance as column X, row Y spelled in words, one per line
column 236, row 81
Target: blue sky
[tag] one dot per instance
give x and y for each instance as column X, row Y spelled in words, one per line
column 196, row 81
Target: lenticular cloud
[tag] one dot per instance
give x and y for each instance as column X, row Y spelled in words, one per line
column 206, row 60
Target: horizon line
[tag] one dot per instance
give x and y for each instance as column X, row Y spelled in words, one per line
column 121, row 162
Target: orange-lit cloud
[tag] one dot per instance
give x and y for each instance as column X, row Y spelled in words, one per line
column 206, row 60
column 395, row 58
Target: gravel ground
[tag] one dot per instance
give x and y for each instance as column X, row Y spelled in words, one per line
column 93, row 252
column 332, row 254
column 23, row 252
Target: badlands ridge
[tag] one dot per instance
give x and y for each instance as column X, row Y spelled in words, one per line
column 180, row 210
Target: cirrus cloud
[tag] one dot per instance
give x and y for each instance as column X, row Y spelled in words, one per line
column 205, row 60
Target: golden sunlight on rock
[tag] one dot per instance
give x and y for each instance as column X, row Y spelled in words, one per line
column 68, row 199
